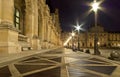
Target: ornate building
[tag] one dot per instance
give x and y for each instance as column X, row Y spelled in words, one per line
column 27, row 24
column 105, row 39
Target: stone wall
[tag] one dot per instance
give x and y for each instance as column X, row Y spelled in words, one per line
column 37, row 29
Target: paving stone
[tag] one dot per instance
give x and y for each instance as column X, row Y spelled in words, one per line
column 49, row 73
column 73, row 72
column 4, row 72
column 40, row 61
column 32, row 58
column 57, row 59
column 85, row 62
column 102, row 69
column 27, row 68
column 95, row 59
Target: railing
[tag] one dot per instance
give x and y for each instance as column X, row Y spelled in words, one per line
column 22, row 38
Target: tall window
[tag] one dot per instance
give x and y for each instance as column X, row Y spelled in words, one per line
column 17, row 18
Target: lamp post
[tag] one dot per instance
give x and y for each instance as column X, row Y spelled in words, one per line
column 95, row 7
column 73, row 34
column 78, row 29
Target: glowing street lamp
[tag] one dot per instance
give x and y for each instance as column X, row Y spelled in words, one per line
column 73, row 34
column 95, row 7
column 78, row 27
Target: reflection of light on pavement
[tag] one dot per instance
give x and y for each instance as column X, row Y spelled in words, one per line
column 68, row 60
column 70, row 53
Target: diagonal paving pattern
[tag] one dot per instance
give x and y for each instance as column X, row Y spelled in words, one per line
column 85, row 65
column 61, row 63
column 40, row 65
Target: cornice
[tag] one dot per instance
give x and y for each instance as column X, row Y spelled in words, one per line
column 9, row 26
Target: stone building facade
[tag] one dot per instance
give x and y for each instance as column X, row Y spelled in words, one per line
column 27, row 24
column 105, row 39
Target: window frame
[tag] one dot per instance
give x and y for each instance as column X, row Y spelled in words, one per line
column 17, row 23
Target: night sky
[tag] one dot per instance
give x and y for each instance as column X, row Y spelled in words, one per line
column 72, row 11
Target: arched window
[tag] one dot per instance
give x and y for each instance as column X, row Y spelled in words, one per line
column 17, row 18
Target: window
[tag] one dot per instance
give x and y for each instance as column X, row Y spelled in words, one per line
column 17, row 18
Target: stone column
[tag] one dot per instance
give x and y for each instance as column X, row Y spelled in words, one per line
column 54, row 40
column 9, row 38
column 50, row 35
column 29, row 21
column 35, row 39
column 49, row 28
column 7, row 11
column 45, row 32
column 42, row 33
column 0, row 10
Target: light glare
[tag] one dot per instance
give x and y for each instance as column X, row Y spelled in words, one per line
column 95, row 6
column 73, row 34
column 78, row 27
column 67, row 41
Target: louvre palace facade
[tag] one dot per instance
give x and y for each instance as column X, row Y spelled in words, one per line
column 28, row 25
column 86, row 38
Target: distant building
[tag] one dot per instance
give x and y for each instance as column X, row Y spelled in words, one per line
column 105, row 39
column 28, row 24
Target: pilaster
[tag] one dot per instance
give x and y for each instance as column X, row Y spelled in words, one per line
column 35, row 39
column 8, row 44
column 42, row 33
column 0, row 10
column 29, row 21
column 7, row 11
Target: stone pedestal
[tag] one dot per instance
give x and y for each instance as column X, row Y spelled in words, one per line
column 35, row 43
column 8, row 40
column 8, row 33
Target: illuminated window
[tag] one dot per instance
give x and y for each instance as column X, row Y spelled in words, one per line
column 17, row 18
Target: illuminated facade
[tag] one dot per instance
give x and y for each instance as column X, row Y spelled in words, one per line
column 105, row 39
column 27, row 24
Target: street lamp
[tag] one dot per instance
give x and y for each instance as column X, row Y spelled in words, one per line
column 78, row 28
column 73, row 34
column 95, row 7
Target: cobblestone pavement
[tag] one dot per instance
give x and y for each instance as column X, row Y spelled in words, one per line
column 86, row 65
column 46, row 64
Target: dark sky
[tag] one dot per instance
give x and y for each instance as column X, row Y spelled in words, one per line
column 72, row 11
